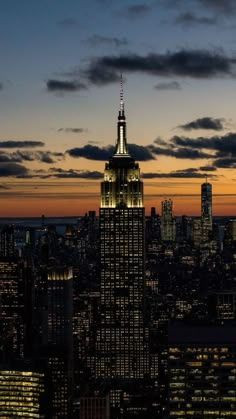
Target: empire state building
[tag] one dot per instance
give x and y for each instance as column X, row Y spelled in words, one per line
column 121, row 351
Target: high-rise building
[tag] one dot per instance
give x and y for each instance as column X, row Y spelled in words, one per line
column 167, row 221
column 60, row 344
column 206, row 210
column 11, row 309
column 53, row 334
column 197, row 232
column 230, row 232
column 201, row 368
column 7, row 241
column 222, row 305
column 22, row 394
column 121, row 351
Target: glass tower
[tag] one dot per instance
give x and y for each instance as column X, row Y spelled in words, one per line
column 121, row 350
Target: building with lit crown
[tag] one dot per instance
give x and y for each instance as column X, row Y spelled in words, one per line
column 120, row 350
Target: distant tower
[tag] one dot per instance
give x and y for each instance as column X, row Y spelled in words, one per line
column 206, row 210
column 120, row 341
column 167, row 221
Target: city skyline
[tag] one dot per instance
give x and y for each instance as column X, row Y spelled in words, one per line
column 58, row 104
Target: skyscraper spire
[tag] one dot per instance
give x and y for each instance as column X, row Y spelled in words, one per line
column 121, row 95
column 121, row 145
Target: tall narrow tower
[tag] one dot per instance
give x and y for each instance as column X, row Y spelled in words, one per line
column 206, row 210
column 120, row 341
column 167, row 221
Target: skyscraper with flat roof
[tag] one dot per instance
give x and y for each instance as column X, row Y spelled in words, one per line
column 167, row 221
column 121, row 338
column 206, row 210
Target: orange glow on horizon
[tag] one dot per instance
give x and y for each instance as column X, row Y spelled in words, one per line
column 35, row 207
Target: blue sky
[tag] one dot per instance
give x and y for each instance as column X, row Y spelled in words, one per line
column 59, row 79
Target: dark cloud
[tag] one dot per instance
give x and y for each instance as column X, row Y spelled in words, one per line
column 136, row 10
column 46, row 158
column 100, row 74
column 9, row 158
column 187, row 174
column 184, row 63
column 221, row 7
column 80, row 175
column 20, row 144
column 173, row 85
column 73, row 130
column 93, row 152
column 190, row 19
column 226, row 7
column 140, row 153
column 68, row 21
column 160, row 141
column 204, row 123
column 179, row 153
column 225, row 163
column 1, row 86
column 73, row 174
column 64, row 86
column 19, row 156
column 12, row 169
column 97, row 40
column 208, row 168
column 222, row 145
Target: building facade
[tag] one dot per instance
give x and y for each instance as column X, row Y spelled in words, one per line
column 201, row 371
column 59, row 339
column 21, row 394
column 167, row 221
column 120, row 348
column 206, row 210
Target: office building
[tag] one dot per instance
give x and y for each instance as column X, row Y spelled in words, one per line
column 95, row 406
column 167, row 221
column 222, row 305
column 206, row 211
column 59, row 339
column 22, row 394
column 11, row 309
column 230, row 232
column 121, row 351
column 201, row 371
column 197, row 232
column 7, row 241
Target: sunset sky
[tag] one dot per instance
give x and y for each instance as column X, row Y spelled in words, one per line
column 61, row 62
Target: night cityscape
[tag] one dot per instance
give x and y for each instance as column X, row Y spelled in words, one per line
column 121, row 314
column 118, row 258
